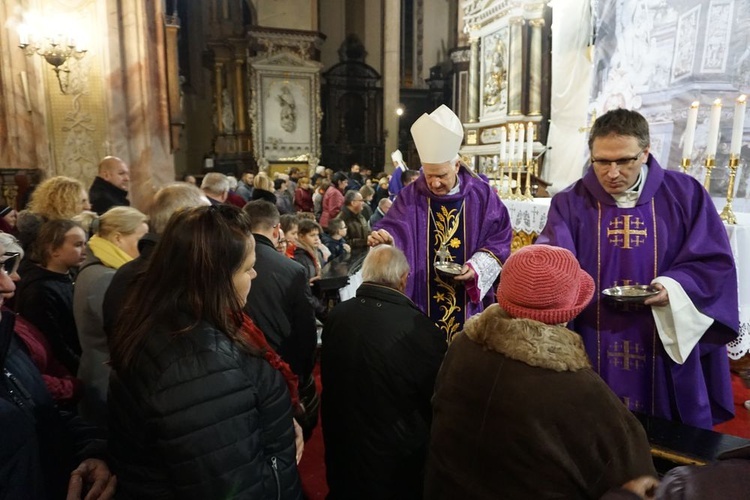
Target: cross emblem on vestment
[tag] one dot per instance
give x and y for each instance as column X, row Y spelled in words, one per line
column 622, row 356
column 630, row 230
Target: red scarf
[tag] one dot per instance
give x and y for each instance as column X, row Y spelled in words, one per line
column 256, row 338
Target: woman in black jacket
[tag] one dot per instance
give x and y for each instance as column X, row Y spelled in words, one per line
column 199, row 405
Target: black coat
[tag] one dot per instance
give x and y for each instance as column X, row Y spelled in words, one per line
column 116, row 294
column 45, row 299
column 281, row 304
column 104, row 195
column 40, row 445
column 194, row 416
column 379, row 360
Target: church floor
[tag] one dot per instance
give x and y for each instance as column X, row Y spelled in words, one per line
column 740, row 424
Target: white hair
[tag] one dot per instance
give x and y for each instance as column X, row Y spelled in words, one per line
column 385, row 265
column 10, row 243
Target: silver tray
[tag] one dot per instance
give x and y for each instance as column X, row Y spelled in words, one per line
column 636, row 294
column 448, row 268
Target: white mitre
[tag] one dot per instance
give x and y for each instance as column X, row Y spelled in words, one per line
column 438, row 136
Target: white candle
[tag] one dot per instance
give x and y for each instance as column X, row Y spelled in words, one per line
column 692, row 120
column 519, row 153
column 713, row 128
column 739, row 124
column 530, row 143
column 23, row 34
column 512, row 144
column 503, row 143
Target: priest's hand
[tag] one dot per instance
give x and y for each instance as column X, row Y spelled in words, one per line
column 379, row 237
column 660, row 299
column 644, row 486
column 467, row 274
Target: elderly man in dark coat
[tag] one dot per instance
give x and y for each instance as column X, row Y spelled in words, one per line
column 518, row 411
column 379, row 360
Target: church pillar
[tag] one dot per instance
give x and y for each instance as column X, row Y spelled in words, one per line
column 535, row 67
column 391, row 77
column 218, row 87
column 474, row 82
column 239, row 93
column 515, row 77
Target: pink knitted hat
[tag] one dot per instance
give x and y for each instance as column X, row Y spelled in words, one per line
column 544, row 283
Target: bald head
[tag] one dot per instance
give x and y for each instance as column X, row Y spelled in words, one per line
column 115, row 171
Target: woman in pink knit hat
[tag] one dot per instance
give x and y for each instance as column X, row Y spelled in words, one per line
column 518, row 411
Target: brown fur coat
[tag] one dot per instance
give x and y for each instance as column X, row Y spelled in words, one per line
column 518, row 413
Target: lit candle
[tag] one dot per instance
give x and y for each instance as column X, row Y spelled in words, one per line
column 692, row 120
column 503, row 143
column 519, row 153
column 739, row 124
column 530, row 143
column 713, row 128
column 23, row 34
column 512, row 144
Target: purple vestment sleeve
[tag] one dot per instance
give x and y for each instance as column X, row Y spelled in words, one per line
column 487, row 228
column 394, row 185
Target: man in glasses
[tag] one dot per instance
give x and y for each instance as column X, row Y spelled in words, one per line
column 631, row 222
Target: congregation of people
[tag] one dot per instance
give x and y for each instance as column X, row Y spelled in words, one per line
column 173, row 353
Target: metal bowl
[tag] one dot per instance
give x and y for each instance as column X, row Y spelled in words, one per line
column 448, row 268
column 635, row 294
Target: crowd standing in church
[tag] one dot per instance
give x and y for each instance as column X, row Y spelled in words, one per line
column 194, row 345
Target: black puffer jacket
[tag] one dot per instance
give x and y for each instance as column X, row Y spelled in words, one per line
column 193, row 416
column 45, row 298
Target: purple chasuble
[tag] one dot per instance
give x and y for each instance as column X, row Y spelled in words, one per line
column 483, row 225
column 674, row 230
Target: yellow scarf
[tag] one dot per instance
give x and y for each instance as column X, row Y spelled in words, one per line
column 110, row 254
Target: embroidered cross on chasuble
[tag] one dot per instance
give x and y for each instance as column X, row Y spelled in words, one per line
column 627, row 355
column 446, row 233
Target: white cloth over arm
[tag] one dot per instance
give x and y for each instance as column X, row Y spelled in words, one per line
column 487, row 268
column 680, row 324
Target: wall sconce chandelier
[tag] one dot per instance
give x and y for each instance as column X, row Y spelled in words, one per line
column 57, row 51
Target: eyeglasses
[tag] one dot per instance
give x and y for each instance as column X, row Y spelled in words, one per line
column 10, row 261
column 620, row 162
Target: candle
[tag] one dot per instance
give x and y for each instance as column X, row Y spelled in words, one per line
column 530, row 143
column 519, row 153
column 23, row 34
column 692, row 119
column 739, row 124
column 503, row 143
column 512, row 144
column 713, row 128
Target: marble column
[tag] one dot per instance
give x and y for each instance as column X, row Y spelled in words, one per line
column 391, row 77
column 535, row 67
column 474, row 82
column 515, row 71
column 138, row 126
column 218, row 88
column 239, row 93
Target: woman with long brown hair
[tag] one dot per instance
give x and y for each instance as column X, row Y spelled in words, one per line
column 199, row 405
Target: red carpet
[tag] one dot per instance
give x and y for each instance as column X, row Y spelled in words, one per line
column 740, row 424
column 312, row 467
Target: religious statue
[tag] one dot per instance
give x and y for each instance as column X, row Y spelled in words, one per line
column 288, row 113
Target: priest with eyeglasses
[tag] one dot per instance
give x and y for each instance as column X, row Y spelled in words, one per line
column 633, row 225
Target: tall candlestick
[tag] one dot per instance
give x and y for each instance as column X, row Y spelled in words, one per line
column 503, row 142
column 521, row 133
column 692, row 120
column 512, row 144
column 530, row 143
column 738, row 126
column 713, row 128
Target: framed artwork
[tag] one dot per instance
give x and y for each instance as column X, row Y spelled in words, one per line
column 687, row 33
column 494, row 72
column 285, row 108
column 718, row 32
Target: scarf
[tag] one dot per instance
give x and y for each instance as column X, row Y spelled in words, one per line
column 110, row 254
column 256, row 338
